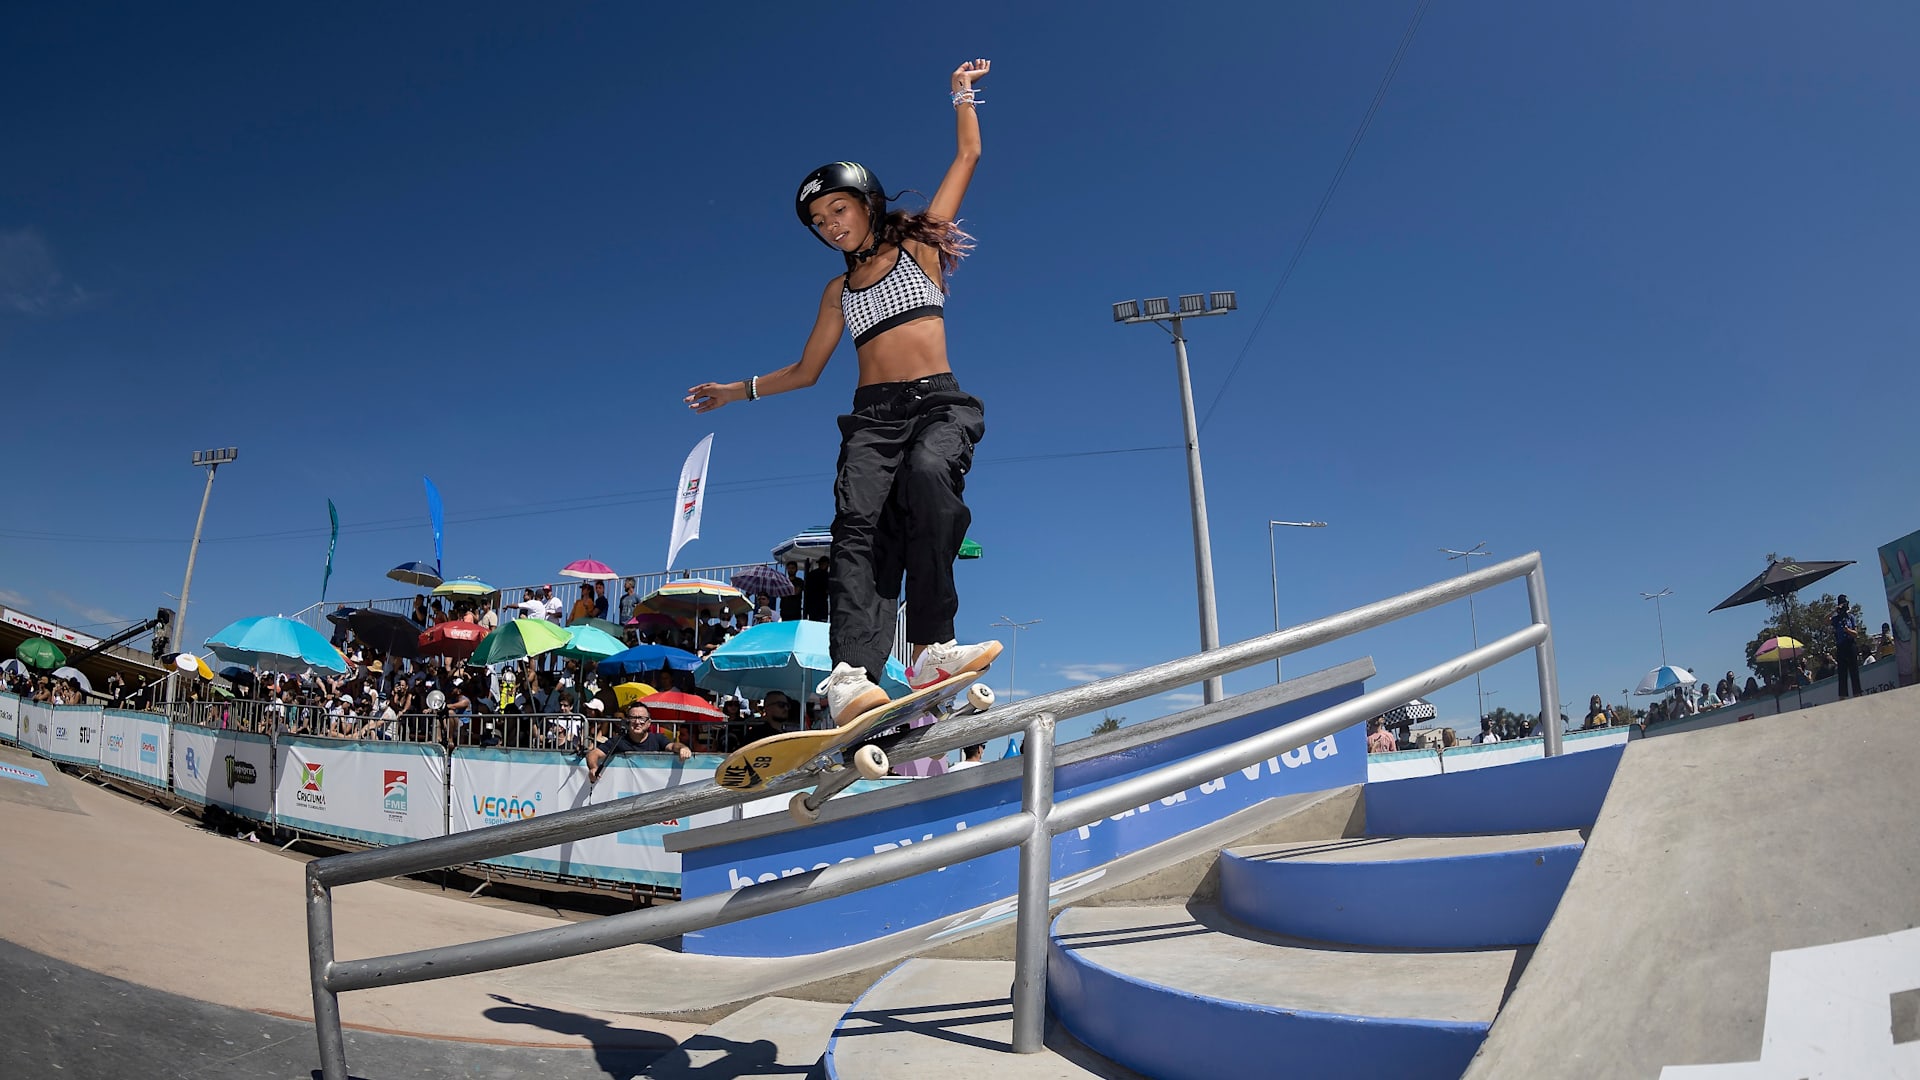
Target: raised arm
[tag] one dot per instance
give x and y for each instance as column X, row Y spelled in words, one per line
column 953, row 186
column 828, row 325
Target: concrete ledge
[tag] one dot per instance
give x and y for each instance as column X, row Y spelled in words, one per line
column 1562, row 792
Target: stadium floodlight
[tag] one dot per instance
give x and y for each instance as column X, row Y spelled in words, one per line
column 1125, row 310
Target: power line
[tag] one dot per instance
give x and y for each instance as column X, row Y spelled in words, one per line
column 1353, row 146
column 572, row 504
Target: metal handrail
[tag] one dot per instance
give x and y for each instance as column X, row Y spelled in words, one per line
column 1032, row 829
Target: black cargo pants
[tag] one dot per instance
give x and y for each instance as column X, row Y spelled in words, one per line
column 904, row 454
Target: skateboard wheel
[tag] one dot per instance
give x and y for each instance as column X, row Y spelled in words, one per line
column 799, row 810
column 980, row 696
column 870, row 762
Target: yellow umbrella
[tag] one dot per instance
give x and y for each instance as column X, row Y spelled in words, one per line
column 1776, row 649
column 627, row 693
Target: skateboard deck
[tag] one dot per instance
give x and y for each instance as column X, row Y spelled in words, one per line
column 757, row 763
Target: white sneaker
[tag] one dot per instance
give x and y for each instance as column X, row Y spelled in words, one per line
column 849, row 693
column 947, row 659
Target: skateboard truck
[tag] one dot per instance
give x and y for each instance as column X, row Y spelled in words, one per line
column 870, row 762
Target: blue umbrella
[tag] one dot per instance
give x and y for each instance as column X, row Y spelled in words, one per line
column 812, row 543
column 787, row 656
column 275, row 643
column 1664, row 678
column 416, row 573
column 648, row 658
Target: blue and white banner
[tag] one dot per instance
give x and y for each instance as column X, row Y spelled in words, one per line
column 9, row 718
column 690, row 499
column 491, row 787
column 75, row 734
column 1332, row 762
column 374, row 792
column 134, row 745
column 229, row 769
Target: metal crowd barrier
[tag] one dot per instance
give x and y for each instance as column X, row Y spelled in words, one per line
column 1031, row 830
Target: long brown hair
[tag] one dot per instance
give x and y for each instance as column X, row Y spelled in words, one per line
column 947, row 237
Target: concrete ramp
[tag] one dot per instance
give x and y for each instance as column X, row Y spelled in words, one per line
column 1739, row 911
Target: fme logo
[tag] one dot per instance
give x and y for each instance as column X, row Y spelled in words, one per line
column 494, row 809
column 394, row 801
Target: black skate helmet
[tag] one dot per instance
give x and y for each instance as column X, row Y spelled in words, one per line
column 838, row 176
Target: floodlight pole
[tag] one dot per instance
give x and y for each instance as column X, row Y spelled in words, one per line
column 1473, row 622
column 1273, row 567
column 1013, row 654
column 1661, row 618
column 212, row 460
column 1192, row 305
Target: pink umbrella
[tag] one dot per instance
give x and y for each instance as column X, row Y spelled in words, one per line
column 589, row 569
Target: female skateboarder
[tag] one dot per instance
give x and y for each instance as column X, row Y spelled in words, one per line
column 906, row 446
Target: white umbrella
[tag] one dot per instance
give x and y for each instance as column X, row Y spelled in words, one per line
column 1664, row 678
column 65, row 673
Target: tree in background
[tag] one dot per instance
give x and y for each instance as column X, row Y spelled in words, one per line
column 1810, row 622
column 1108, row 722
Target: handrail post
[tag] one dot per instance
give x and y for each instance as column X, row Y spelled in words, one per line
column 326, row 1004
column 1543, row 658
column 1036, row 871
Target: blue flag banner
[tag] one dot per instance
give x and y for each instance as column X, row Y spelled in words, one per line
column 439, row 516
column 332, row 540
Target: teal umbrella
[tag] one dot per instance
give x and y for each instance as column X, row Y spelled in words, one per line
column 788, row 656
column 590, row 643
column 517, row 640
column 276, row 643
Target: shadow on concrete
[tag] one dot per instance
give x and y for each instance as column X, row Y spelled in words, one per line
column 622, row 1052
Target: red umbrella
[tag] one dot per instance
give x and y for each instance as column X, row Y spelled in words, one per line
column 674, row 707
column 455, row 639
column 590, row 569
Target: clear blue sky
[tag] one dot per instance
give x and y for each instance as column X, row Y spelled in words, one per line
column 1631, row 285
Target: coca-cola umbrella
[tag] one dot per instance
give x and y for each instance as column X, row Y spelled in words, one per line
column 454, row 639
column 675, row 707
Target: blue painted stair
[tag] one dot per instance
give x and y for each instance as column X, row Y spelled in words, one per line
column 1387, row 954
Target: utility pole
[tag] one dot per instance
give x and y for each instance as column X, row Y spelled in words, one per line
column 211, row 460
column 1656, row 598
column 1013, row 654
column 1466, row 558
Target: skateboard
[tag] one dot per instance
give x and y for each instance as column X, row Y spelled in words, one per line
column 761, row 762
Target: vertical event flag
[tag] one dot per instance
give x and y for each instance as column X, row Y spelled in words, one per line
column 690, row 497
column 333, row 516
column 438, row 516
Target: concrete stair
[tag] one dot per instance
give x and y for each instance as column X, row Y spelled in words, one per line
column 1385, row 952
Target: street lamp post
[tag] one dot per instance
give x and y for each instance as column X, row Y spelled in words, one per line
column 1273, row 567
column 1656, row 598
column 1466, row 558
column 212, row 460
column 1013, row 654
column 1158, row 310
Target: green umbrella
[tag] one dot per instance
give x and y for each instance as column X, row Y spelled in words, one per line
column 41, row 653
column 519, row 638
column 613, row 630
column 971, row 549
column 591, row 643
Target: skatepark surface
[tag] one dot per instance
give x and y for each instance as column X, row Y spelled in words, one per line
column 1715, row 850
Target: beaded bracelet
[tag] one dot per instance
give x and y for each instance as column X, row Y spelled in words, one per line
column 960, row 97
column 753, row 388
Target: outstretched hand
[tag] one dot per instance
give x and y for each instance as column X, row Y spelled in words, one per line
column 966, row 74
column 709, row 396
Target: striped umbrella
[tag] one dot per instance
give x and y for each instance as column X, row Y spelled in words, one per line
column 518, row 639
column 467, row 585
column 1775, row 649
column 589, row 570
column 1664, row 678
column 688, row 595
column 764, row 581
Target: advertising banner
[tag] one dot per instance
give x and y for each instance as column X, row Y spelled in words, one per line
column 229, row 769
column 374, row 792
column 9, row 718
column 959, row 801
column 495, row 786
column 36, row 726
column 134, row 745
column 1896, row 573
column 75, row 737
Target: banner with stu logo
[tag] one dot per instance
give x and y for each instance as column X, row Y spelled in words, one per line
column 375, row 792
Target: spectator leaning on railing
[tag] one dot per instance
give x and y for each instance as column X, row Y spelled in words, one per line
column 639, row 738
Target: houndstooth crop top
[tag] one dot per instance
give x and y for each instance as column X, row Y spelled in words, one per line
column 903, row 295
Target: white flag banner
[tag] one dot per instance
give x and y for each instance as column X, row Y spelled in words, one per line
column 692, row 496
